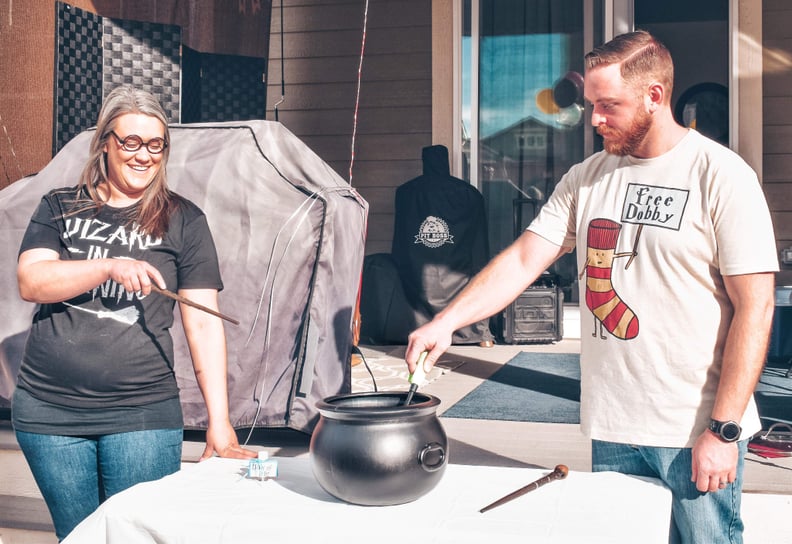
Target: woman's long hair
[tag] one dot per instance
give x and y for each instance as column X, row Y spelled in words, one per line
column 152, row 212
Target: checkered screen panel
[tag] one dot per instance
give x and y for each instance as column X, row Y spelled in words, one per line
column 232, row 88
column 78, row 73
column 146, row 55
column 96, row 54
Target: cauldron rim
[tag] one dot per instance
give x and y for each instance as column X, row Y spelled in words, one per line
column 365, row 405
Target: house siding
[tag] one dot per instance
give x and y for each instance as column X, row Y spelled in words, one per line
column 321, row 42
column 777, row 121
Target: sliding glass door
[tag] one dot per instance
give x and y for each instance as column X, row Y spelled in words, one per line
column 523, row 112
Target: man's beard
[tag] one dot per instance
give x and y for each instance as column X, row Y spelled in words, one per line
column 618, row 142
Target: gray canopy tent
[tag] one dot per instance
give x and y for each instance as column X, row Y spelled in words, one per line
column 290, row 234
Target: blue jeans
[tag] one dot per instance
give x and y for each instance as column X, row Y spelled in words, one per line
column 696, row 517
column 76, row 473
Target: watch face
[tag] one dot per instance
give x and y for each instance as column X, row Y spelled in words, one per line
column 730, row 431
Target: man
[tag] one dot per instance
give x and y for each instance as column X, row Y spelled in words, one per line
column 678, row 250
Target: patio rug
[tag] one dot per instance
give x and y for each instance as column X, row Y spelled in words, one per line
column 539, row 387
column 545, row 388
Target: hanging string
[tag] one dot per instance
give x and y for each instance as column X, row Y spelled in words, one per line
column 357, row 96
column 283, row 76
column 13, row 154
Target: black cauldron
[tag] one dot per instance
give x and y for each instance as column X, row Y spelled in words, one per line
column 370, row 449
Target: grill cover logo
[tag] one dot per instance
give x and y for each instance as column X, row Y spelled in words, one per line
column 433, row 232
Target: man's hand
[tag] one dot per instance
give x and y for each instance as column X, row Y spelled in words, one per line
column 714, row 464
column 432, row 338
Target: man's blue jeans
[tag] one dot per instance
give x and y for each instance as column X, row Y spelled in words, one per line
column 76, row 473
column 696, row 517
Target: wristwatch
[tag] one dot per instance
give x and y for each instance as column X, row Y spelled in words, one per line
column 728, row 431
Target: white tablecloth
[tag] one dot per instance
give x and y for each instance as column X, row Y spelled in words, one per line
column 213, row 502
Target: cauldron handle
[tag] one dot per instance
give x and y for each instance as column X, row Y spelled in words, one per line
column 432, row 447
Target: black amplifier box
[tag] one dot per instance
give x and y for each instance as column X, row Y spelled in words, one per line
column 535, row 317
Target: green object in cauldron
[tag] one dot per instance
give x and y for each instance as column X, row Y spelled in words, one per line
column 416, row 378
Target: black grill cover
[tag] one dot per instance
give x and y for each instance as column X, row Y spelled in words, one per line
column 439, row 240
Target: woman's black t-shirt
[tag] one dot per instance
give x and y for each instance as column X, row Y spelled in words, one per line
column 108, row 350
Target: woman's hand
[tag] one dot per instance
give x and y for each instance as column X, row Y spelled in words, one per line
column 134, row 275
column 45, row 278
column 206, row 339
column 222, row 439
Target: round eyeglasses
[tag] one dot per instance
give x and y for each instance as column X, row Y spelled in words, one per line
column 133, row 143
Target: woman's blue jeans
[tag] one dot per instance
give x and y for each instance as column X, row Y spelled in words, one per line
column 76, row 473
column 696, row 517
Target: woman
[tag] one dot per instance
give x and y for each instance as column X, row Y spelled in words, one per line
column 96, row 409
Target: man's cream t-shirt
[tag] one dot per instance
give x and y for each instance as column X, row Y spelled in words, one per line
column 654, row 238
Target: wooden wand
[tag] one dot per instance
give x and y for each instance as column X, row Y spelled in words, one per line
column 559, row 473
column 189, row 302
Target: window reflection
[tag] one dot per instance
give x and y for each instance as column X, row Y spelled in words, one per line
column 529, row 112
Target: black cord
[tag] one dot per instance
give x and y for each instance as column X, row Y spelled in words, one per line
column 356, row 351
